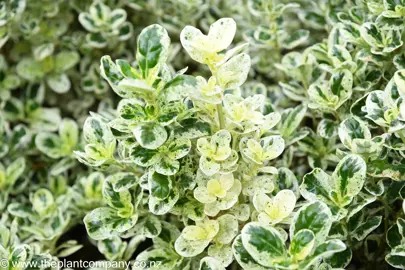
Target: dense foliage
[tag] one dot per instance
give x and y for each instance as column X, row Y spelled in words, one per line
column 203, row 134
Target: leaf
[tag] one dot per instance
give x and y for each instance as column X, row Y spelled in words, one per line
column 103, row 223
column 167, row 166
column 65, row 60
column 382, row 168
column 314, row 216
column 290, row 120
column 296, row 39
column 179, row 87
column 123, row 181
column 352, row 129
column 192, row 128
column 316, row 185
column 43, row 202
column 159, row 259
column 42, row 51
column 126, row 69
column 190, row 248
column 366, row 228
column 152, row 50
column 15, row 170
column 112, row 248
column 117, row 17
column 178, row 148
column 210, row 263
column 121, row 201
column 110, row 71
column 161, row 207
column 340, row 259
column 323, row 250
column 264, row 243
column 302, row 244
column 341, row 85
column 371, row 34
column 233, row 73
column 327, row 128
column 133, row 110
column 396, row 257
column 160, row 185
column 150, row 135
column 144, row 157
column 29, row 69
column 95, row 130
column 349, row 177
column 375, row 107
column 69, row 133
column 200, row 47
column 243, row 257
column 228, row 229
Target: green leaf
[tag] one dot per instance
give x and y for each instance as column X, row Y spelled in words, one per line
column 161, row 207
column 341, row 85
column 243, row 257
column 29, row 69
column 396, row 257
column 96, row 130
column 264, row 243
column 144, row 157
column 179, row 87
column 123, row 181
column 133, row 110
column 152, row 50
column 291, row 119
column 349, row 177
column 295, row 39
column 192, row 128
column 42, row 51
column 375, row 107
column 302, row 244
column 366, row 228
column 103, row 223
column 112, row 248
column 15, row 170
column 110, row 71
column 126, row 69
column 323, row 250
column 167, row 166
column 314, row 216
column 340, row 259
column 385, row 169
column 121, row 201
column 150, row 135
column 371, row 34
column 160, row 185
column 69, row 132
column 327, row 128
column 43, row 202
column 178, row 148
column 66, row 60
column 316, row 185
column 117, row 17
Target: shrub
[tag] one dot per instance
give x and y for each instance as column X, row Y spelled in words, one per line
column 231, row 134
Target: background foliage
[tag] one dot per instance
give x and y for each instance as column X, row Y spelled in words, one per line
column 273, row 139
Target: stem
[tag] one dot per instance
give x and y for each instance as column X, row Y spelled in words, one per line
column 221, row 116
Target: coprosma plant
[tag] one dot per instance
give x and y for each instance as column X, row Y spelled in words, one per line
column 193, row 151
